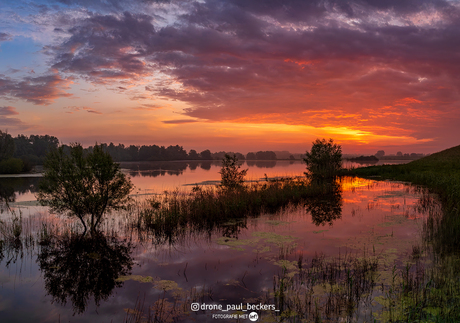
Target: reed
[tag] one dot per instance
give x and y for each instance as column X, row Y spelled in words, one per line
column 171, row 214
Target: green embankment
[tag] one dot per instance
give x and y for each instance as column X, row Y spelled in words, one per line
column 438, row 300
column 440, row 172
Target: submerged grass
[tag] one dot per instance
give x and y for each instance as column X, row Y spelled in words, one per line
column 436, row 297
column 327, row 289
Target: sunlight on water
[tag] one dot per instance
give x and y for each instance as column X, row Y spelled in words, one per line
column 261, row 260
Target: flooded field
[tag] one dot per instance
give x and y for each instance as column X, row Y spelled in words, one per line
column 333, row 257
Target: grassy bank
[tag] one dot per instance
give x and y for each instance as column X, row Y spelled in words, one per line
column 437, row 298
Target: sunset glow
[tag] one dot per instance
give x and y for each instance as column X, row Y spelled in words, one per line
column 233, row 75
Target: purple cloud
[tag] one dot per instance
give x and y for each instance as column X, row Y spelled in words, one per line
column 285, row 61
column 5, row 37
column 42, row 90
column 8, row 111
column 180, row 121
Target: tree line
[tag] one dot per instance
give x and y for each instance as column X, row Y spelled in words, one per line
column 121, row 152
column 22, row 153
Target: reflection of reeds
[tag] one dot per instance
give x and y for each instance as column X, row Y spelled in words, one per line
column 325, row 289
column 171, row 306
column 171, row 214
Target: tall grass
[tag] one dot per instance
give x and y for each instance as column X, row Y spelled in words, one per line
column 204, row 209
column 327, row 289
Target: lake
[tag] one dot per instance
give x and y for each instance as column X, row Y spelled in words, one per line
column 274, row 263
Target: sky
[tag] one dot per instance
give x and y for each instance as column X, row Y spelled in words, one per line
column 234, row 75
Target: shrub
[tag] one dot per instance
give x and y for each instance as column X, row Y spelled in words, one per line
column 324, row 161
column 83, row 184
column 11, row 166
column 232, row 176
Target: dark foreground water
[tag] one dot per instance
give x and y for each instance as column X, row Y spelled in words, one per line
column 127, row 274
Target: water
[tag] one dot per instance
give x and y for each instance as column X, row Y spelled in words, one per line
column 239, row 263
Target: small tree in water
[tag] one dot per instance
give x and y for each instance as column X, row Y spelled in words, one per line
column 83, row 184
column 232, row 176
column 324, row 161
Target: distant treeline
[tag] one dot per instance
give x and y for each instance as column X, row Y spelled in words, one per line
column 21, row 153
column 121, row 152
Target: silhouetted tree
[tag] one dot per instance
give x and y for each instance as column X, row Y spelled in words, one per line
column 232, row 176
column 83, row 184
column 324, row 161
column 266, row 155
column 6, row 146
column 206, row 155
column 251, row 156
column 193, row 155
column 240, row 156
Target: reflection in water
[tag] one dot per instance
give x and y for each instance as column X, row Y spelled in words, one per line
column 11, row 249
column 11, row 186
column 269, row 259
column 206, row 165
column 20, row 185
column 327, row 207
column 155, row 169
column 266, row 163
column 81, row 267
column 7, row 195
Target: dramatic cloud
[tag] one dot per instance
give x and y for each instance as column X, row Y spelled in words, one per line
column 370, row 66
column 42, row 90
column 8, row 111
column 107, row 47
column 8, row 122
column 148, row 107
column 181, row 121
column 5, row 37
column 73, row 109
column 280, row 61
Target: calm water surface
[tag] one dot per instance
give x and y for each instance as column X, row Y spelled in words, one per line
column 232, row 265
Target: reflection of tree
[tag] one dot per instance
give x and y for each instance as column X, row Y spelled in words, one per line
column 6, row 195
column 81, row 267
column 266, row 163
column 326, row 207
column 9, row 186
column 154, row 169
column 206, row 165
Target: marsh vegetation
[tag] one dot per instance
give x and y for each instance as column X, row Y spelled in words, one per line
column 344, row 249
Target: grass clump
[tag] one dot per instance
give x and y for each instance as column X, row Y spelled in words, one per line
column 205, row 209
